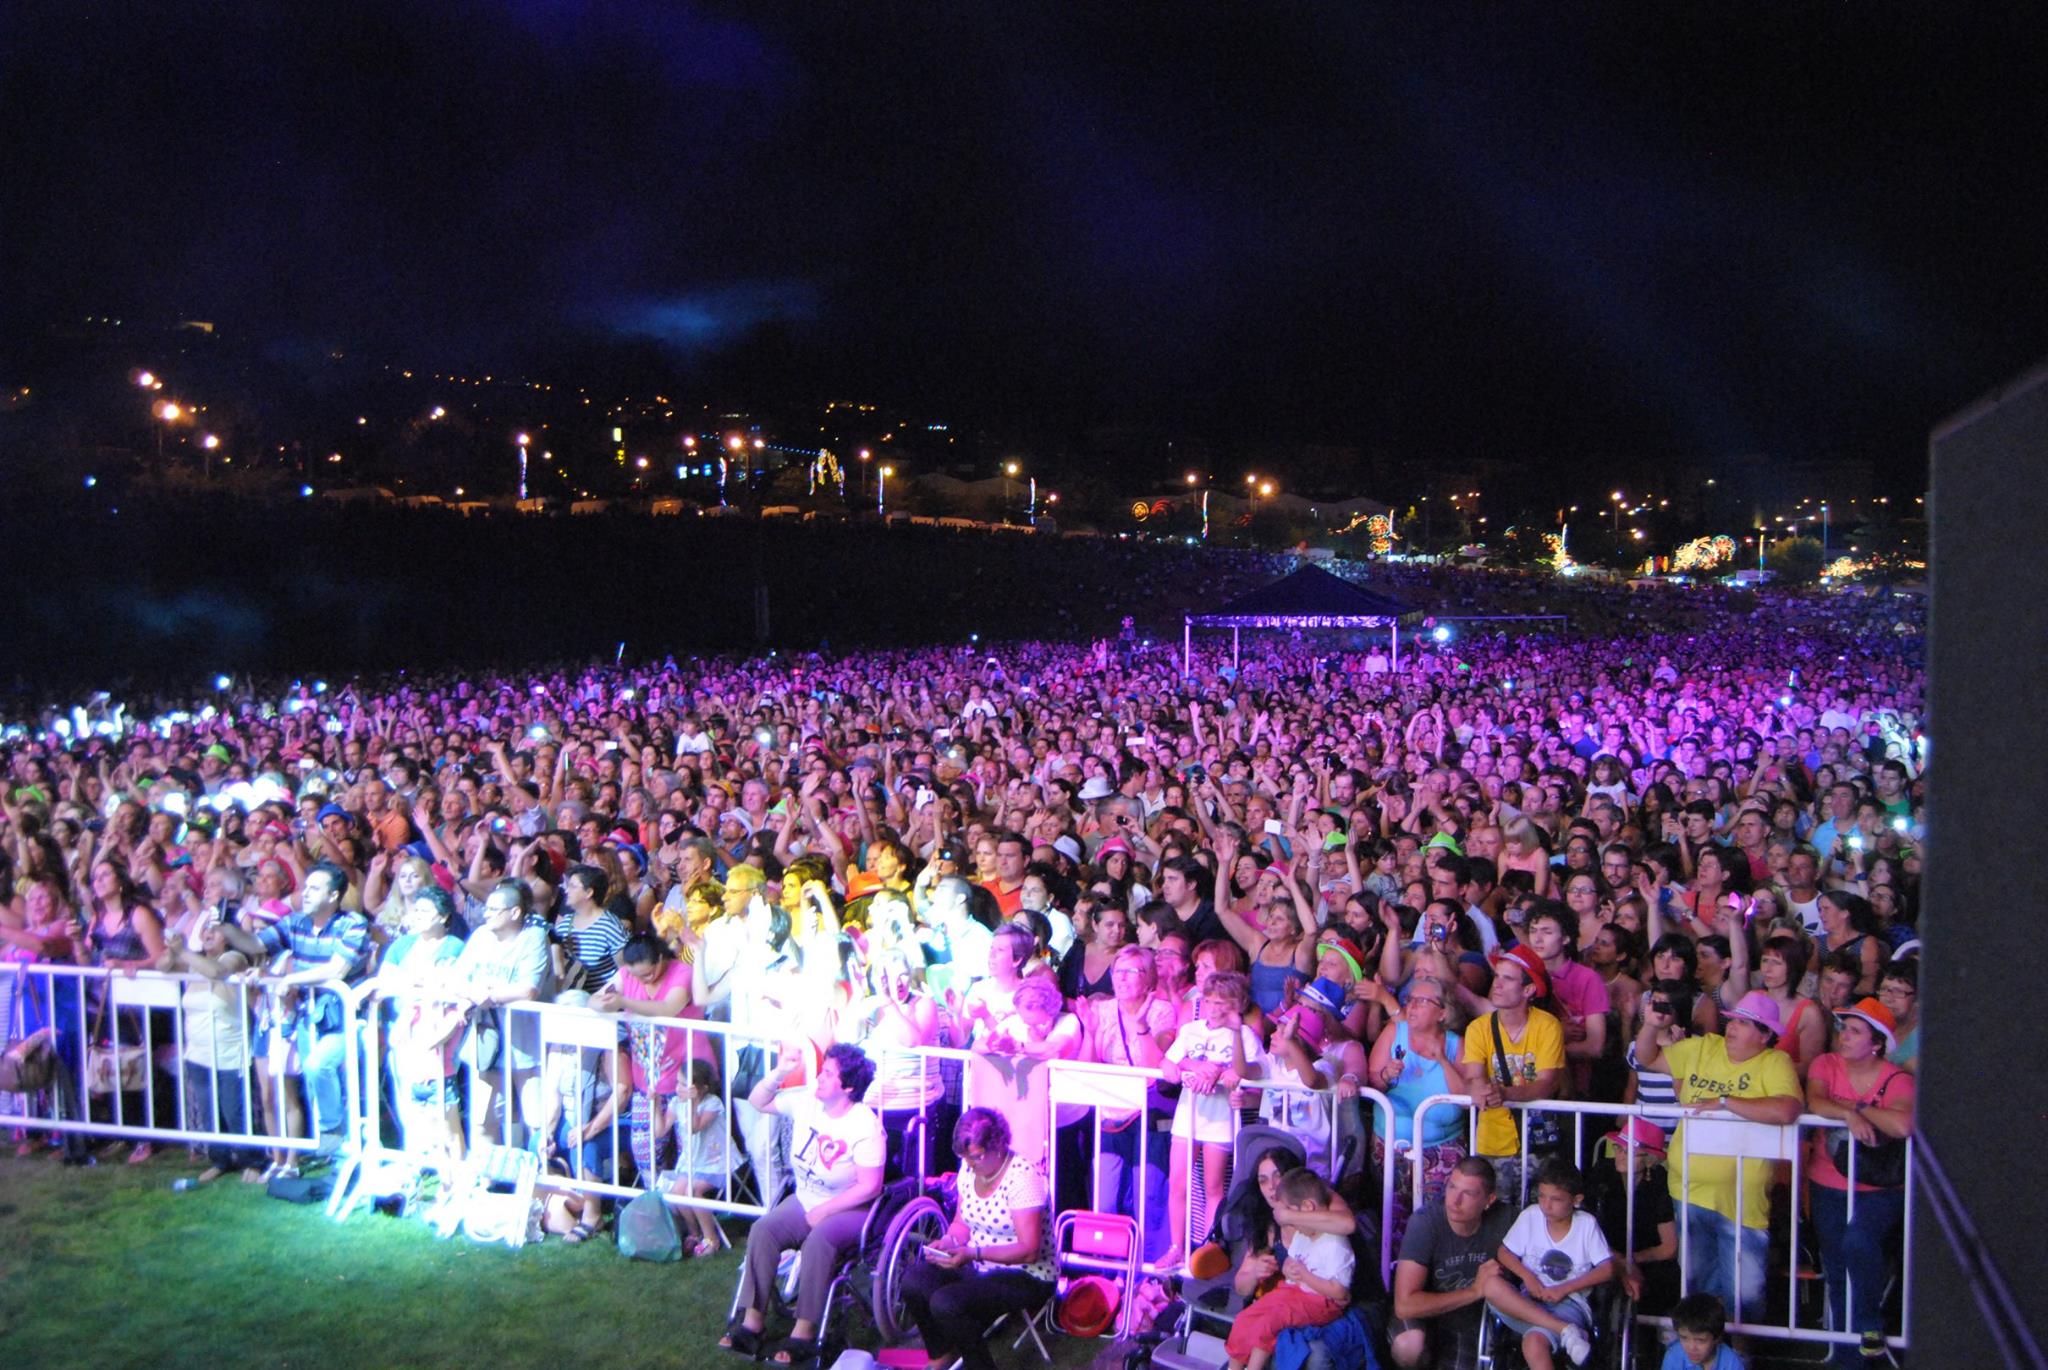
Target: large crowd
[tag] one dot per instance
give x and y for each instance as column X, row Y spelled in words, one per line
column 1665, row 856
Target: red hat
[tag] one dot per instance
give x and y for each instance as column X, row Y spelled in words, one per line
column 1529, row 961
column 1089, row 1306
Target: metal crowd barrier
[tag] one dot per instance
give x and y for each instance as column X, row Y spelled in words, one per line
column 498, row 1092
column 115, row 1028
column 1746, row 1143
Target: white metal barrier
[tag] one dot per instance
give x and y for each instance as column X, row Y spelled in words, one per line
column 489, row 1074
column 1751, row 1145
column 224, row 1045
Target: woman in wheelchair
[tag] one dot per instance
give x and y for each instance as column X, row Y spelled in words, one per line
column 836, row 1152
column 993, row 1260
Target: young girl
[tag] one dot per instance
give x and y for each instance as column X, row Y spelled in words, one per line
column 1315, row 1279
column 700, row 1122
column 1208, row 1058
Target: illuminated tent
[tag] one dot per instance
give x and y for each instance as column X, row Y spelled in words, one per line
column 1309, row 598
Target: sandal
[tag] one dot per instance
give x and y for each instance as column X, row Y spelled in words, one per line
column 798, row 1351
column 739, row 1340
column 142, row 1152
column 579, row 1234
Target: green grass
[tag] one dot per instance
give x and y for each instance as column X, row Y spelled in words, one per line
column 109, row 1267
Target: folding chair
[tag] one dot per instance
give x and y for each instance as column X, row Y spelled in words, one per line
column 1099, row 1244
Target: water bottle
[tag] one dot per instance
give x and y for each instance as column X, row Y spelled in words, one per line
column 179, row 1186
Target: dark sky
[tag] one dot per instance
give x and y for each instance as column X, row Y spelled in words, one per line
column 1520, row 230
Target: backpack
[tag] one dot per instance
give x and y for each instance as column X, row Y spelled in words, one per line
column 647, row 1230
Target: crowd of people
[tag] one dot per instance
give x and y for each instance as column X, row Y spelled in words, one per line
column 1667, row 859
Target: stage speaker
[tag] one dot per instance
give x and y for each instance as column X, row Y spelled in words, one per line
column 1981, row 1208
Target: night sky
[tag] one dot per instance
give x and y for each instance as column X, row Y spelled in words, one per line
column 1537, row 231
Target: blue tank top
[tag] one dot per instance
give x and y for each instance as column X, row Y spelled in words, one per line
column 1269, row 984
column 1420, row 1078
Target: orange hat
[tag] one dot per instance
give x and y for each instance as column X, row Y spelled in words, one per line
column 1878, row 1016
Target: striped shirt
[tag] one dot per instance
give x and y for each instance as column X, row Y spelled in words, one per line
column 596, row 946
column 346, row 936
column 1655, row 1088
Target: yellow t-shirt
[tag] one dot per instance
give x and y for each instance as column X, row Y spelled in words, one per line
column 1540, row 1046
column 1700, row 1071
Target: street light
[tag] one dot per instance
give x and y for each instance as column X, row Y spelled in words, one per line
column 882, row 488
column 170, row 412
column 1192, row 479
column 524, row 441
column 1616, row 498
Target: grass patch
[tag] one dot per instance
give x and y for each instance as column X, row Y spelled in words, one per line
column 110, row 1267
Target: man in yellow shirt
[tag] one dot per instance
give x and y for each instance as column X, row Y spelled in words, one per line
column 1529, row 1043
column 1742, row 1075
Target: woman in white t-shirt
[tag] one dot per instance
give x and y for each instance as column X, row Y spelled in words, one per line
column 994, row 1259
column 835, row 1150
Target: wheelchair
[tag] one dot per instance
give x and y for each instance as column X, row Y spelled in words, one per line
column 1613, row 1335
column 908, row 1213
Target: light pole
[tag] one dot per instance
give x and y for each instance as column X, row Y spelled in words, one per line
column 523, row 440
column 1616, row 497
column 209, row 444
column 1010, row 469
column 882, row 489
column 1823, row 532
column 860, row 491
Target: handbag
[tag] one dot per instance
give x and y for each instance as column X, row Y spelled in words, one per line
column 29, row 1065
column 1883, row 1163
column 114, row 1069
column 483, row 1041
column 1543, row 1127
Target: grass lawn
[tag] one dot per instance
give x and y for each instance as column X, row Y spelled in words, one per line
column 109, row 1267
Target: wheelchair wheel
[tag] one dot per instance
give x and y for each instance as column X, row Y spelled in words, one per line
column 917, row 1222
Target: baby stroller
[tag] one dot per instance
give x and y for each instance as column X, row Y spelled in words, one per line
column 1211, row 1301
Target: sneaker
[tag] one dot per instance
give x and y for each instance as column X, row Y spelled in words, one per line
column 1876, row 1352
column 1576, row 1347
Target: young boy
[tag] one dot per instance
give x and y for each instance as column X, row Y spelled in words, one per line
column 1212, row 1053
column 1700, row 1321
column 1557, row 1253
column 1315, row 1283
